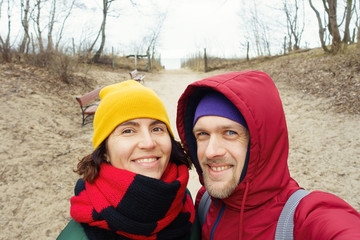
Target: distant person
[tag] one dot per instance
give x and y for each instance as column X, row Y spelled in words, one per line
column 133, row 185
column 234, row 128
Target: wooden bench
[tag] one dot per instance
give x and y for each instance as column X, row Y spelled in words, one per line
column 88, row 104
column 137, row 76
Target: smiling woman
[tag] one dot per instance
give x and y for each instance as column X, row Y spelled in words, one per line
column 141, row 146
column 136, row 161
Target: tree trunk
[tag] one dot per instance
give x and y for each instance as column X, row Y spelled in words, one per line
column 358, row 31
column 5, row 45
column 321, row 29
column 41, row 45
column 96, row 58
column 50, row 43
column 358, row 35
column 334, row 27
column 346, row 38
column 25, row 24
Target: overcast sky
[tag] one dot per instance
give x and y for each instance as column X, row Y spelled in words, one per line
column 190, row 25
column 220, row 26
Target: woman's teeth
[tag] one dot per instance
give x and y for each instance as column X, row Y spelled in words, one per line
column 146, row 160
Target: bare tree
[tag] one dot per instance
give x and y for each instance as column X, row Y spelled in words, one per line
column 5, row 47
column 266, row 38
column 257, row 29
column 294, row 29
column 321, row 28
column 151, row 40
column 330, row 7
column 37, row 21
column 57, row 15
column 358, row 31
column 25, row 18
column 72, row 3
column 349, row 9
column 333, row 26
column 50, row 45
column 106, row 6
column 1, row 3
column 105, row 10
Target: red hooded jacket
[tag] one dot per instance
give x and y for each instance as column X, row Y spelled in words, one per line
column 253, row 209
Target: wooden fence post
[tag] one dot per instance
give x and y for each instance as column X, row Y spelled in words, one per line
column 112, row 58
column 247, row 51
column 73, row 46
column 205, row 61
column 148, row 66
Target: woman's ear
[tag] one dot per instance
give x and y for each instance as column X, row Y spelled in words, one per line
column 107, row 159
column 106, row 155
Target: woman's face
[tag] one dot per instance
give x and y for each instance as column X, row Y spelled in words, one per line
column 141, row 145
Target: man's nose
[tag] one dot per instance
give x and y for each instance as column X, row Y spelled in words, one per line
column 215, row 148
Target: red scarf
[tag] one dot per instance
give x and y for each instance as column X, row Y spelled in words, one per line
column 136, row 206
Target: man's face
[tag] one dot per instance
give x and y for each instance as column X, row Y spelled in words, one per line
column 221, row 149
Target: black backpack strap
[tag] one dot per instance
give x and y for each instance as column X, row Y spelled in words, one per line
column 285, row 225
column 203, row 208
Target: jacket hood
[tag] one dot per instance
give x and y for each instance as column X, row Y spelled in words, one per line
column 257, row 98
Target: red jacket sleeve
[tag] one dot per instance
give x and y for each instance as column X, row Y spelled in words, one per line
column 322, row 215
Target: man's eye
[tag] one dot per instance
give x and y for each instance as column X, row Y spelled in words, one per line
column 229, row 132
column 201, row 134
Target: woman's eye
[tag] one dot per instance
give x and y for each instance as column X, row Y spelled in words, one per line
column 158, row 129
column 125, row 131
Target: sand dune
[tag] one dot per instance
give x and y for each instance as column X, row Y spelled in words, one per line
column 42, row 140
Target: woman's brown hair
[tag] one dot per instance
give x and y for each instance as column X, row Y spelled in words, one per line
column 89, row 166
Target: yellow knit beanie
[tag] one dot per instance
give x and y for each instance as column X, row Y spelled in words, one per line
column 124, row 101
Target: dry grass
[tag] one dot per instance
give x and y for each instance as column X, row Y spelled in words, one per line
column 128, row 63
column 335, row 77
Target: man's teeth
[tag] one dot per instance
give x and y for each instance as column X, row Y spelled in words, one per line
column 218, row 169
column 146, row 160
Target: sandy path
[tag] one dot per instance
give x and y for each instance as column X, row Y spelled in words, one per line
column 169, row 87
column 324, row 146
column 38, row 151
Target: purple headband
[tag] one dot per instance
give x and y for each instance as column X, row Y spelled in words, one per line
column 216, row 104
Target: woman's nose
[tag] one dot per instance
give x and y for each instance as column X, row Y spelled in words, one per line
column 147, row 141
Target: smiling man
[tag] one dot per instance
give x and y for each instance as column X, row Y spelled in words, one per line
column 222, row 140
column 234, row 128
